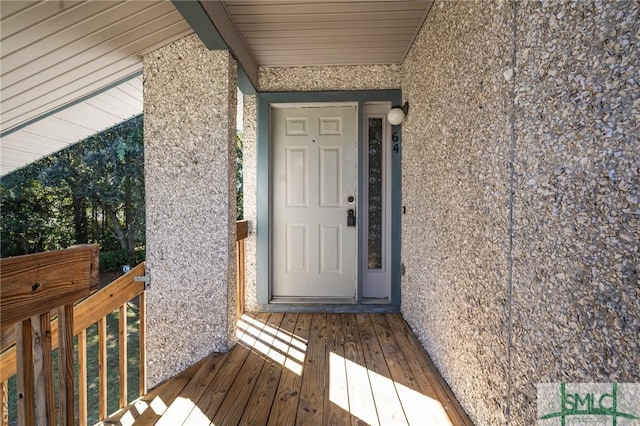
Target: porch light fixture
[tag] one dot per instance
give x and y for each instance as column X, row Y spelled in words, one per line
column 397, row 114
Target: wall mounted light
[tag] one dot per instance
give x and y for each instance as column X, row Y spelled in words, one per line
column 397, row 114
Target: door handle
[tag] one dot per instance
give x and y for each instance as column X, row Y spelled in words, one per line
column 351, row 217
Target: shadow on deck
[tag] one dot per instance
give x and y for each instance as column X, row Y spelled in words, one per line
column 315, row 369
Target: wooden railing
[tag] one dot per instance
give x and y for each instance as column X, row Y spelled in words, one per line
column 242, row 232
column 32, row 286
column 90, row 311
column 94, row 309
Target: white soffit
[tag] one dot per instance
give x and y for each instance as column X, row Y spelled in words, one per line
column 71, row 124
column 70, row 69
column 283, row 33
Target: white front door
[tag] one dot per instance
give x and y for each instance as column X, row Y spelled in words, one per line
column 314, row 178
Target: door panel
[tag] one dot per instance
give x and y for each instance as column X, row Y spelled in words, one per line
column 297, row 170
column 330, row 176
column 314, row 151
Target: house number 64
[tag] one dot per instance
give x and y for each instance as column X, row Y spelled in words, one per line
column 395, row 139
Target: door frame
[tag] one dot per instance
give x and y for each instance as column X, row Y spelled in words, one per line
column 264, row 198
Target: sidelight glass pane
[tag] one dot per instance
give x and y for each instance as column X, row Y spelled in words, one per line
column 375, row 194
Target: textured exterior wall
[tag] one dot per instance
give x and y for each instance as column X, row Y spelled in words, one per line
column 523, row 123
column 250, row 183
column 310, row 79
column 576, row 286
column 455, row 179
column 189, row 129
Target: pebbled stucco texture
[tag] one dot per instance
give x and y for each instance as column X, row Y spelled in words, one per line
column 521, row 171
column 576, row 285
column 313, row 79
column 455, row 180
column 189, row 130
column 250, row 185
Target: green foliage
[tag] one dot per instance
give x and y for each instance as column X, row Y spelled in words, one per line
column 141, row 254
column 34, row 216
column 239, row 182
column 112, row 261
column 92, row 191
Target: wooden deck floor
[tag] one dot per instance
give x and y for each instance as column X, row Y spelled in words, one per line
column 307, row 369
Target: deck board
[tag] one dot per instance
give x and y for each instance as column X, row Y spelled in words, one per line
column 309, row 369
column 334, row 414
column 362, row 406
column 256, row 411
column 311, row 404
column 285, row 405
column 388, row 405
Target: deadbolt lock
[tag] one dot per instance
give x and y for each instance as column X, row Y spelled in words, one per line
column 351, row 217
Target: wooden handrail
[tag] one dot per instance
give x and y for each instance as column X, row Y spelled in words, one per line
column 38, row 283
column 94, row 309
column 87, row 312
column 32, row 286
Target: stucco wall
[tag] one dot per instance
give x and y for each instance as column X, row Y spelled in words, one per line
column 576, row 287
column 523, row 127
column 250, row 185
column 455, row 185
column 310, row 79
column 189, row 130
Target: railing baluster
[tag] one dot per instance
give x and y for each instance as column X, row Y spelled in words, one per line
column 122, row 363
column 25, row 373
column 82, row 378
column 240, row 278
column 4, row 401
column 43, row 369
column 65, row 364
column 102, row 367
column 142, row 324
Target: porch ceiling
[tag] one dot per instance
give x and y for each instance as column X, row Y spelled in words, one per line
column 71, row 68
column 304, row 32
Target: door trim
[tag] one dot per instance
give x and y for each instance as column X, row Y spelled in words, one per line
column 263, row 226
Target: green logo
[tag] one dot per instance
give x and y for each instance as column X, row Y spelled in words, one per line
column 589, row 401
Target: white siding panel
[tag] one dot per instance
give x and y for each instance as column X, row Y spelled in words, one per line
column 43, row 102
column 56, row 53
column 52, row 13
column 84, row 36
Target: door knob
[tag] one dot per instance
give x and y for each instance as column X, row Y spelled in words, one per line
column 351, row 217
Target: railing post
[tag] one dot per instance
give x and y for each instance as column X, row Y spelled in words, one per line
column 242, row 231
